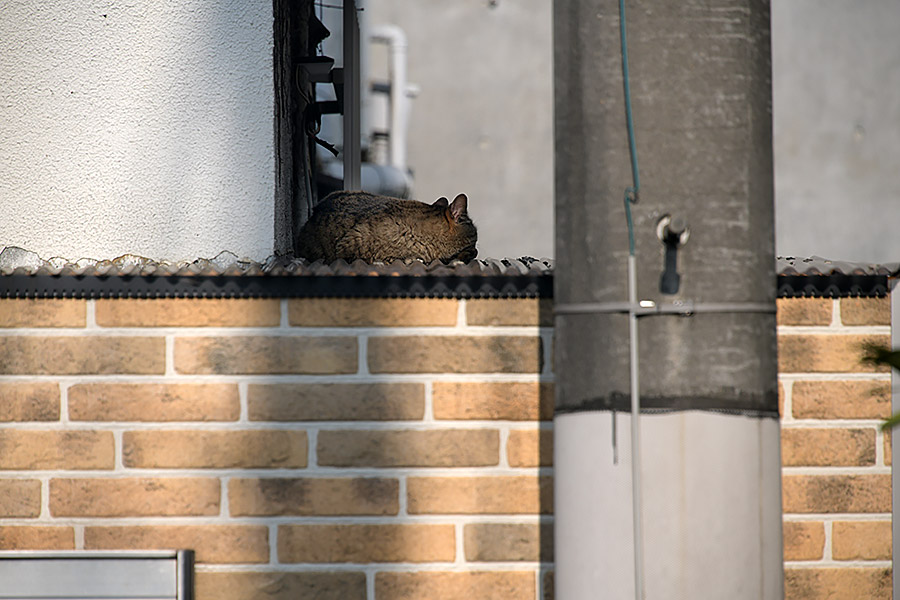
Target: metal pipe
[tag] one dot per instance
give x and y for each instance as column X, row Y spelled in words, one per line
column 636, row 496
column 352, row 89
column 395, row 38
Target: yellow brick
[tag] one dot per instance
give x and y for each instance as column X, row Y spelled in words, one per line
column 804, row 311
column 29, row 401
column 366, row 543
column 336, row 402
column 530, row 448
column 837, row 584
column 455, row 354
column 262, row 449
column 512, row 401
column 33, row 537
column 212, row 543
column 502, row 542
column 82, row 355
column 20, row 312
column 313, row 496
column 826, row 353
column 866, row 311
column 372, row 312
column 134, row 497
column 804, row 540
column 841, row 399
column 436, row 585
column 887, row 448
column 20, row 498
column 827, row 447
column 188, row 312
column 861, row 540
column 493, row 312
column 836, row 493
column 266, row 355
column 56, row 449
column 480, row 495
column 275, row 585
column 154, row 402
column 409, row 448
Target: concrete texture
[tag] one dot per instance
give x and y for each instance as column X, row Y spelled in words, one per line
column 836, row 107
column 141, row 128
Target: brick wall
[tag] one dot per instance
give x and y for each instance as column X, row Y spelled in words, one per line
column 336, row 449
column 378, row 449
column 836, row 485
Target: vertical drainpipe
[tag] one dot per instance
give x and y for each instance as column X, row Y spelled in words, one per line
column 895, row 447
column 711, row 465
column 352, row 95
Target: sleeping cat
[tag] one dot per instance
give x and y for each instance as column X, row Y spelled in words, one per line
column 352, row 225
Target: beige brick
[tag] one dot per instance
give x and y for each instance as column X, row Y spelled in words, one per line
column 827, row 447
column 266, row 355
column 212, row 543
column 480, row 495
column 188, row 312
column 466, row 585
column 264, row 449
column 501, row 542
column 337, row 585
column 493, row 312
column 866, row 311
column 33, row 537
column 134, row 497
column 836, row 493
column 861, row 540
column 336, row 402
column 826, row 353
column 366, row 543
column 82, row 355
column 455, row 354
column 154, row 402
column 372, row 312
column 508, row 401
column 29, row 401
column 24, row 449
column 804, row 311
column 804, row 540
column 314, row 496
column 21, row 312
column 887, row 448
column 20, row 498
column 530, row 448
column 841, row 399
column 409, row 448
column 781, row 400
column 837, row 584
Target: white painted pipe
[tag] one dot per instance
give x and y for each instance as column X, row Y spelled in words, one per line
column 395, row 38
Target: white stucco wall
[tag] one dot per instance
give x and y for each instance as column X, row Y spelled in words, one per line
column 137, row 127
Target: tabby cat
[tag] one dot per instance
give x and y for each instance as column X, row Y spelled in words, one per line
column 358, row 225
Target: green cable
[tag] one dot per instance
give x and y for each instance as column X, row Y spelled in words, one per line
column 631, row 193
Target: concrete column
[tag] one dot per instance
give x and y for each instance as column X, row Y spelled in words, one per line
column 701, row 92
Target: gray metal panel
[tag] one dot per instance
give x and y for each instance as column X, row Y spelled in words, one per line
column 105, row 575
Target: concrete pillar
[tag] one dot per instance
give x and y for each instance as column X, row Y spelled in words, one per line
column 701, row 92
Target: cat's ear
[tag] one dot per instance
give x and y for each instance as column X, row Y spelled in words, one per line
column 459, row 207
column 442, row 202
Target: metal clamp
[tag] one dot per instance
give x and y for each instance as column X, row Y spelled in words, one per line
column 647, row 308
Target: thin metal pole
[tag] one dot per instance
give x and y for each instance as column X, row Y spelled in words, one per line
column 636, row 499
column 352, row 133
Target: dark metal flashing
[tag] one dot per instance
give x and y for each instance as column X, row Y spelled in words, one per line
column 520, row 278
column 225, row 277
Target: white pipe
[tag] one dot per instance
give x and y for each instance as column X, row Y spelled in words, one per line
column 394, row 37
column 637, row 504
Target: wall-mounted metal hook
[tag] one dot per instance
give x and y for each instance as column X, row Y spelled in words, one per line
column 674, row 233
